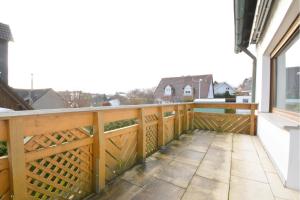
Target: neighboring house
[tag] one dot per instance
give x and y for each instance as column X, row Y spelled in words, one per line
column 222, row 88
column 245, row 87
column 41, row 98
column 8, row 98
column 273, row 27
column 184, row 88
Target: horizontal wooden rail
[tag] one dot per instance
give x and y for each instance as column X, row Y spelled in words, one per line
column 246, row 106
column 67, row 147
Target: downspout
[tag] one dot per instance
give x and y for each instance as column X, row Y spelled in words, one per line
column 253, row 73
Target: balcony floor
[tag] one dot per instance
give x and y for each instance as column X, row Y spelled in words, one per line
column 203, row 165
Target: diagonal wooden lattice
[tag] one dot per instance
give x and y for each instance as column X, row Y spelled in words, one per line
column 151, row 123
column 169, row 128
column 64, row 175
column 4, row 179
column 232, row 123
column 121, row 150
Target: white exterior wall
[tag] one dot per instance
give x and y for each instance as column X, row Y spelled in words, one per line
column 280, row 143
column 50, row 100
column 221, row 89
column 210, row 94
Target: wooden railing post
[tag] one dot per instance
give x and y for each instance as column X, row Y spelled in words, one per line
column 252, row 119
column 16, row 156
column 99, row 152
column 192, row 118
column 186, row 121
column 177, row 122
column 141, row 143
column 161, row 132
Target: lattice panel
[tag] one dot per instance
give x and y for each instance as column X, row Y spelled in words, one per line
column 121, row 152
column 232, row 123
column 151, row 123
column 169, row 129
column 64, row 175
column 4, row 179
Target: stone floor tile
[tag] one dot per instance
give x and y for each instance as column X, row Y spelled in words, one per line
column 118, row 190
column 159, row 190
column 279, row 190
column 199, row 148
column 249, row 170
column 206, row 189
column 250, row 156
column 142, row 174
column 190, row 157
column 177, row 173
column 245, row 189
column 267, row 165
column 214, row 170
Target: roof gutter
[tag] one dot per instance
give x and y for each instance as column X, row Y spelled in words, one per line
column 246, row 51
column 261, row 15
column 244, row 12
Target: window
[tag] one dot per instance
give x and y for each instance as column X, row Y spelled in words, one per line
column 168, row 90
column 187, row 91
column 245, row 101
column 286, row 76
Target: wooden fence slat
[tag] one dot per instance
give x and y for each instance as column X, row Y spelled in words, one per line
column 141, row 137
column 161, row 132
column 252, row 120
column 99, row 152
column 16, row 158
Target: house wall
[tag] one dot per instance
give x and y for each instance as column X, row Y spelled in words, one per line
column 210, row 94
column 50, row 100
column 223, row 88
column 280, row 142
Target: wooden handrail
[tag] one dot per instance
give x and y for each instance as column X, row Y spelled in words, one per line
column 57, row 131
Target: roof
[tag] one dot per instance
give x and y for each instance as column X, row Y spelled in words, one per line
column 216, row 86
column 35, row 94
column 14, row 98
column 178, row 84
column 244, row 11
column 5, row 33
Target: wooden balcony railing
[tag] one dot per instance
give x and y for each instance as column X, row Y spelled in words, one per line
column 67, row 154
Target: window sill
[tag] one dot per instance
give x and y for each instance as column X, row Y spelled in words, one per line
column 281, row 121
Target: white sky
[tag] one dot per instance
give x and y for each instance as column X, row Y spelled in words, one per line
column 109, row 46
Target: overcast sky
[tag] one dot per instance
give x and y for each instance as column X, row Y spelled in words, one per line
column 109, row 46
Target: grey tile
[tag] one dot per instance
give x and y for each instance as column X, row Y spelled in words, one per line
column 206, row 189
column 177, row 173
column 246, row 189
column 159, row 190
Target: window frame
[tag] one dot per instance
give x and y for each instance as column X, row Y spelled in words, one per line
column 292, row 31
column 190, row 91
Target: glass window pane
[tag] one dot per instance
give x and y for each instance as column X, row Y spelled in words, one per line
column 288, row 76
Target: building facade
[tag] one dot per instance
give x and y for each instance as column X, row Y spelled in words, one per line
column 273, row 28
column 184, row 88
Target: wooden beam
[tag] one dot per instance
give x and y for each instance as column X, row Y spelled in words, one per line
column 226, row 105
column 185, row 119
column 16, row 158
column 141, row 143
column 161, row 132
column 99, row 152
column 3, row 130
column 177, row 122
column 252, row 121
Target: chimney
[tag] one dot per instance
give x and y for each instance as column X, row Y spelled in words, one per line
column 5, row 37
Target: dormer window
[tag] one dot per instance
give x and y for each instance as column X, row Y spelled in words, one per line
column 188, row 90
column 168, row 90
